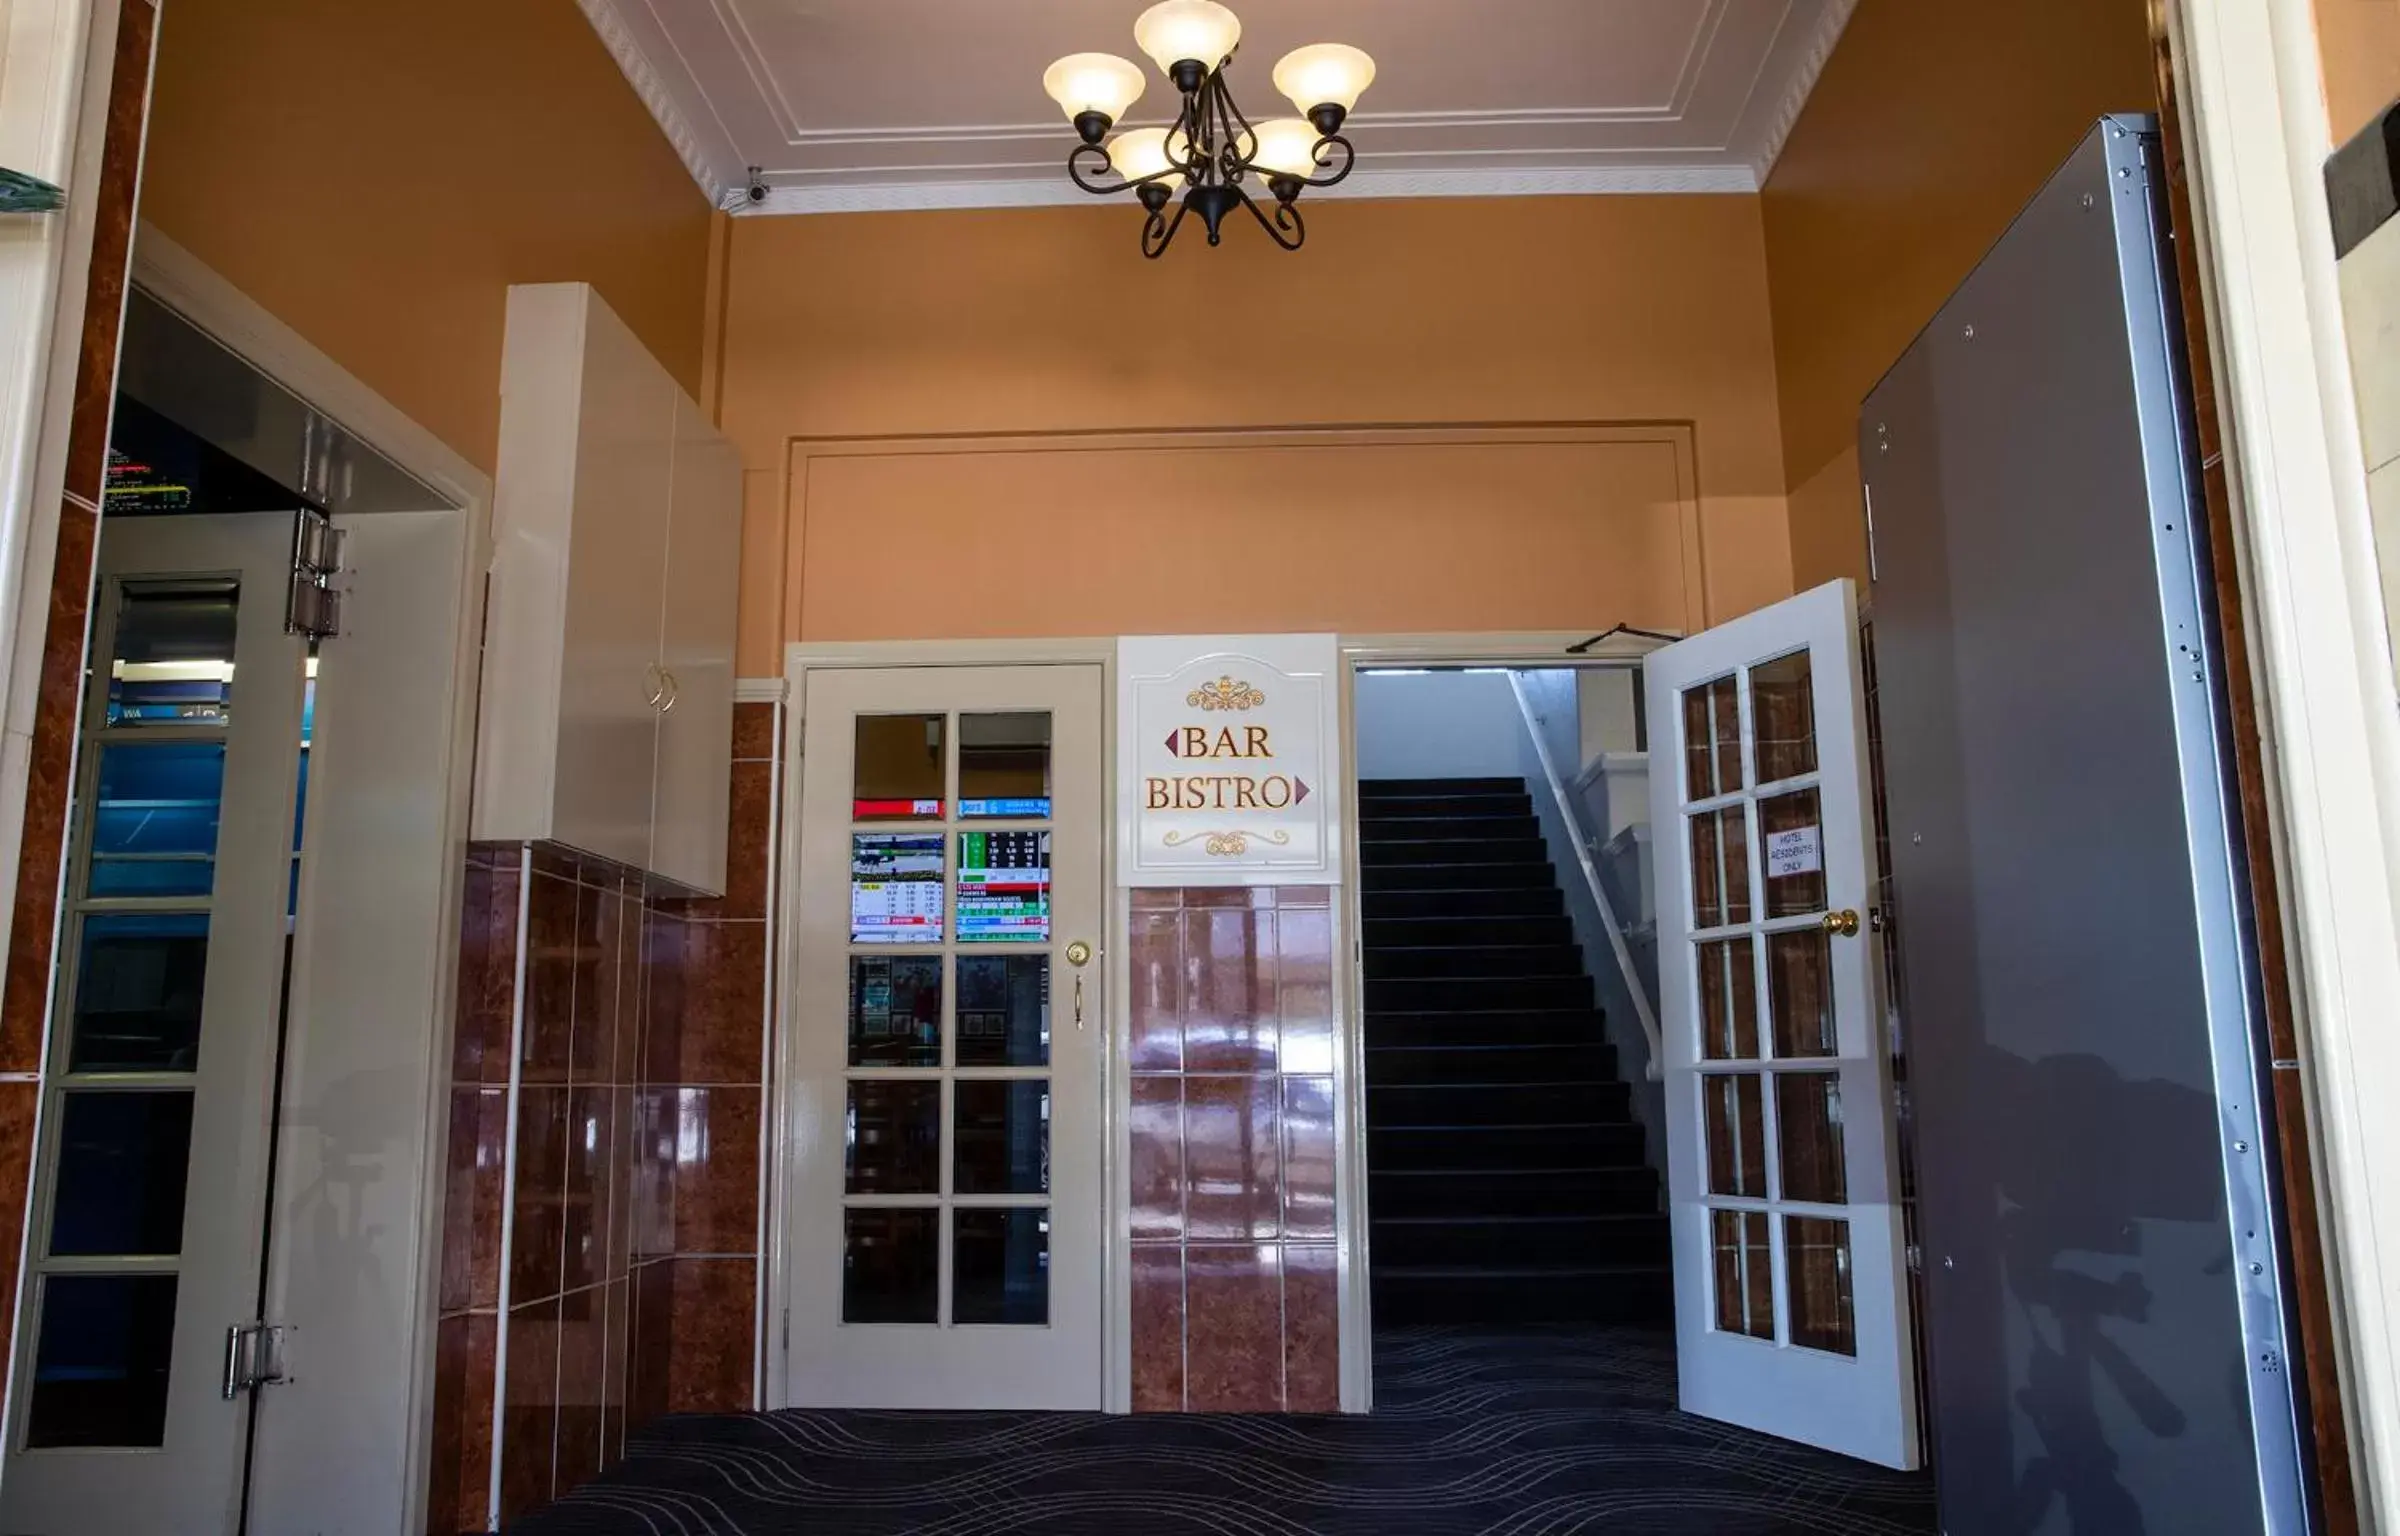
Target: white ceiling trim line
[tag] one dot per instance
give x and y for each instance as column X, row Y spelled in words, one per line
column 1056, row 192
column 716, row 177
column 1830, row 23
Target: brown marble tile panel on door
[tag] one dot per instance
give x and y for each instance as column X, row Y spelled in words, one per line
column 529, row 1423
column 1312, row 1329
column 1233, row 1328
column 459, row 1460
column 1154, row 1140
column 716, row 1169
column 1158, row 1328
column 1233, row 1159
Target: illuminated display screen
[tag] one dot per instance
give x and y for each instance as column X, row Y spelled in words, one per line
column 1003, row 887
column 1028, row 810
column 896, row 810
column 895, row 888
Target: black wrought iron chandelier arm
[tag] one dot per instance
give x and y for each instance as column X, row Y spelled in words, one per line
column 1285, row 227
column 1158, row 232
column 1087, row 164
column 1333, row 168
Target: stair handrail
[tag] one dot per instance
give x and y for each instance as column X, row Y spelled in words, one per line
column 1642, row 1011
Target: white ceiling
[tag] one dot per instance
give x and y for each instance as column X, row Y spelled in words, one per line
column 853, row 105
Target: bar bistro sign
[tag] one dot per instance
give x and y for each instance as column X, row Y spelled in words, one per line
column 1229, row 760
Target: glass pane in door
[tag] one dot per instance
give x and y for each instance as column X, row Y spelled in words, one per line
column 1720, row 868
column 1004, row 1010
column 1733, row 1112
column 1745, row 1273
column 1791, row 836
column 1712, row 736
column 154, row 818
column 1728, row 1001
column 895, row 1138
column 174, row 653
column 1000, row 1272
column 1003, row 887
column 895, row 1010
column 1002, row 1137
column 123, row 1159
column 138, row 992
column 1816, row 1251
column 896, row 888
column 1808, row 1124
column 1783, row 707
column 100, row 1361
column 899, row 768
column 1004, row 765
column 891, row 1265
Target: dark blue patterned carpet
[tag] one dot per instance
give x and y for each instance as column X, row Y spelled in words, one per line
column 1532, row 1433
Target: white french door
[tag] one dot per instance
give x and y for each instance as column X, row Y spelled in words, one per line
column 149, row 1203
column 1791, row 1296
column 947, row 1206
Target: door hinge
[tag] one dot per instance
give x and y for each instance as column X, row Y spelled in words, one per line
column 1867, row 487
column 1916, row 1259
column 787, row 1330
column 315, row 606
column 253, row 1358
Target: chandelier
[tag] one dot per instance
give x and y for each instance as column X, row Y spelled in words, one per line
column 1211, row 152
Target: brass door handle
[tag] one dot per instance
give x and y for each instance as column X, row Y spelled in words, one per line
column 1842, row 924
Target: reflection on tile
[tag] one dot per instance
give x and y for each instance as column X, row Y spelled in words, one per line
column 721, row 1034
column 749, row 829
column 618, row 1336
column 1304, row 945
column 590, row 1142
column 666, row 944
column 1229, row 991
column 529, row 1425
column 713, row 1326
column 657, row 1124
column 550, row 966
column 716, row 1170
column 536, row 1245
column 1232, row 1158
column 1155, row 1024
column 651, row 1345
column 600, row 926
column 1156, row 898
column 623, row 1148
column 1312, row 1330
column 582, row 1367
column 1233, row 1300
column 1157, row 1328
column 1308, row 1178
column 476, row 1184
column 459, row 1460
column 1238, row 897
column 487, row 968
column 1155, row 1137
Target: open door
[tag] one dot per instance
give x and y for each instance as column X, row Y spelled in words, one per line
column 1791, row 1297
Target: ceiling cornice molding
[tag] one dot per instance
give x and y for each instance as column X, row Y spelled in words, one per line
column 1057, row 192
column 1819, row 50
column 661, row 98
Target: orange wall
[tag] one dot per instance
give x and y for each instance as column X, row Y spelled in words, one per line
column 2361, row 44
column 1544, row 413
column 1931, row 126
column 377, row 172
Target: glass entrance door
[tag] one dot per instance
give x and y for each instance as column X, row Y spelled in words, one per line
column 149, row 1202
column 947, row 1208
column 1791, row 1308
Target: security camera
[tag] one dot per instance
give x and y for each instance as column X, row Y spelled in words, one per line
column 758, row 185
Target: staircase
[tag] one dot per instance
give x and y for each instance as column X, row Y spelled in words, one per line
column 1506, row 1174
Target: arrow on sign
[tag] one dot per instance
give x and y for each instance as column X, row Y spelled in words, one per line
column 1300, row 785
column 1175, row 743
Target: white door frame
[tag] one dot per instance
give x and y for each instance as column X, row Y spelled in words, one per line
column 2248, row 74
column 1116, row 1090
column 379, row 1359
column 1366, row 653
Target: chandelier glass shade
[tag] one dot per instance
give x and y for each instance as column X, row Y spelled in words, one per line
column 1211, row 159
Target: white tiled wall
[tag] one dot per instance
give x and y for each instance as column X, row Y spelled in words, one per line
column 2371, row 313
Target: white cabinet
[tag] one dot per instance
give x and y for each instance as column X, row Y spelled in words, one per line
column 607, row 710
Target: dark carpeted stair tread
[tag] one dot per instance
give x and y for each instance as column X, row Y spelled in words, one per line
column 1396, row 905
column 1435, row 962
column 1463, row 875
column 1377, row 789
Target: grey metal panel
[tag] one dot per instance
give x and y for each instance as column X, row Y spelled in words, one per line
column 2102, row 1314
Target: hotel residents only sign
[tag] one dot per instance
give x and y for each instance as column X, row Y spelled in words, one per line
column 1229, row 760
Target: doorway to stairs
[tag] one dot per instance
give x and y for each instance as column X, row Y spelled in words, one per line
column 1515, row 1135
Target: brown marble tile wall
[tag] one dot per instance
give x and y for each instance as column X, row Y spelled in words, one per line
column 701, row 1116
column 626, row 1033
column 33, row 913
column 1231, row 1040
